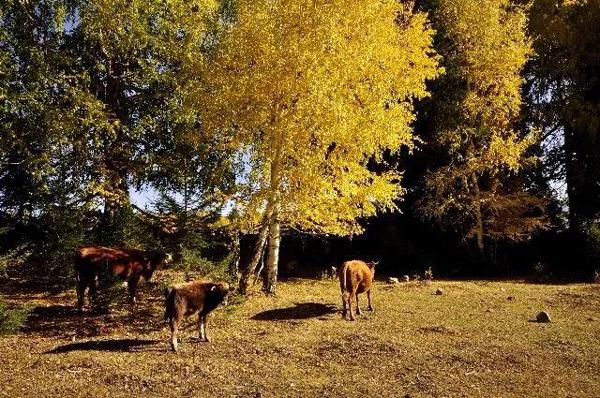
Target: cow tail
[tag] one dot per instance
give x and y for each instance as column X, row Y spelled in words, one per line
column 342, row 276
column 169, row 304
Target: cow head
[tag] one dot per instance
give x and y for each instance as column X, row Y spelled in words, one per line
column 222, row 290
column 372, row 265
column 155, row 258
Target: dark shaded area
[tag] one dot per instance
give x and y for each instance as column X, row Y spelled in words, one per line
column 20, row 286
column 63, row 320
column 56, row 312
column 103, row 345
column 298, row 311
column 406, row 244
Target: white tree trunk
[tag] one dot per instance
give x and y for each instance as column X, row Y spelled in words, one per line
column 273, row 256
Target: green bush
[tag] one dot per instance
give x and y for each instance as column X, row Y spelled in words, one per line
column 11, row 319
column 110, row 292
column 196, row 266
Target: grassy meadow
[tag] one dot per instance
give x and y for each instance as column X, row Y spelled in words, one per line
column 472, row 341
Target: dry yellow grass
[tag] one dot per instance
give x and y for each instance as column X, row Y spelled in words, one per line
column 470, row 342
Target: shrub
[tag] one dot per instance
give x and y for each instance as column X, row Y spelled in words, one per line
column 109, row 291
column 195, row 265
column 11, row 319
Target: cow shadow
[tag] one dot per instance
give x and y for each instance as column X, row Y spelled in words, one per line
column 298, row 311
column 118, row 345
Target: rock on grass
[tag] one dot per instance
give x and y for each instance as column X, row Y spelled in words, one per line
column 543, row 317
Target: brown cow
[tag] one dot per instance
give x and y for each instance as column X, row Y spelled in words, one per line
column 130, row 265
column 355, row 277
column 186, row 299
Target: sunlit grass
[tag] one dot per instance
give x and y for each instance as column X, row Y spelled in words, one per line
column 470, row 341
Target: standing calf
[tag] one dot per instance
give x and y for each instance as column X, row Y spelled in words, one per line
column 355, row 277
column 186, row 299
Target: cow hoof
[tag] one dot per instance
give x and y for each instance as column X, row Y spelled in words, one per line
column 371, row 309
column 358, row 312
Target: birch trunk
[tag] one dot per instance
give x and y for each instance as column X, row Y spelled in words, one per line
column 270, row 281
column 478, row 217
column 258, row 249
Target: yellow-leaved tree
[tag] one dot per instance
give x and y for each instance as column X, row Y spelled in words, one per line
column 315, row 91
column 476, row 108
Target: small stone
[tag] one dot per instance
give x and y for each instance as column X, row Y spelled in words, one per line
column 439, row 291
column 489, row 310
column 543, row 317
column 406, row 278
column 511, row 298
column 591, row 319
column 502, row 289
column 392, row 281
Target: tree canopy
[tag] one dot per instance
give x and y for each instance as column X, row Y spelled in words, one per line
column 476, row 109
column 315, row 92
column 253, row 120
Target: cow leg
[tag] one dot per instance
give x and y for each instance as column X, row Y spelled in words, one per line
column 369, row 307
column 344, row 305
column 132, row 286
column 203, row 335
column 81, row 286
column 352, row 298
column 358, row 312
column 93, row 291
column 201, row 330
column 174, row 324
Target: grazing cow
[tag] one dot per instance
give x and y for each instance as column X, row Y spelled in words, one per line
column 186, row 299
column 130, row 265
column 355, row 277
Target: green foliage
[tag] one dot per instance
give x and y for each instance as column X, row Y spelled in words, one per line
column 90, row 105
column 195, row 266
column 12, row 318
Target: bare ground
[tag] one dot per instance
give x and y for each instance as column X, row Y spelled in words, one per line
column 472, row 341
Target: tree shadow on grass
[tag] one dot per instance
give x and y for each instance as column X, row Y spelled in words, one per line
column 65, row 320
column 117, row 345
column 298, row 311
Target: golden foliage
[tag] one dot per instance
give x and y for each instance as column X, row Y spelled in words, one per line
column 315, row 90
column 485, row 48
